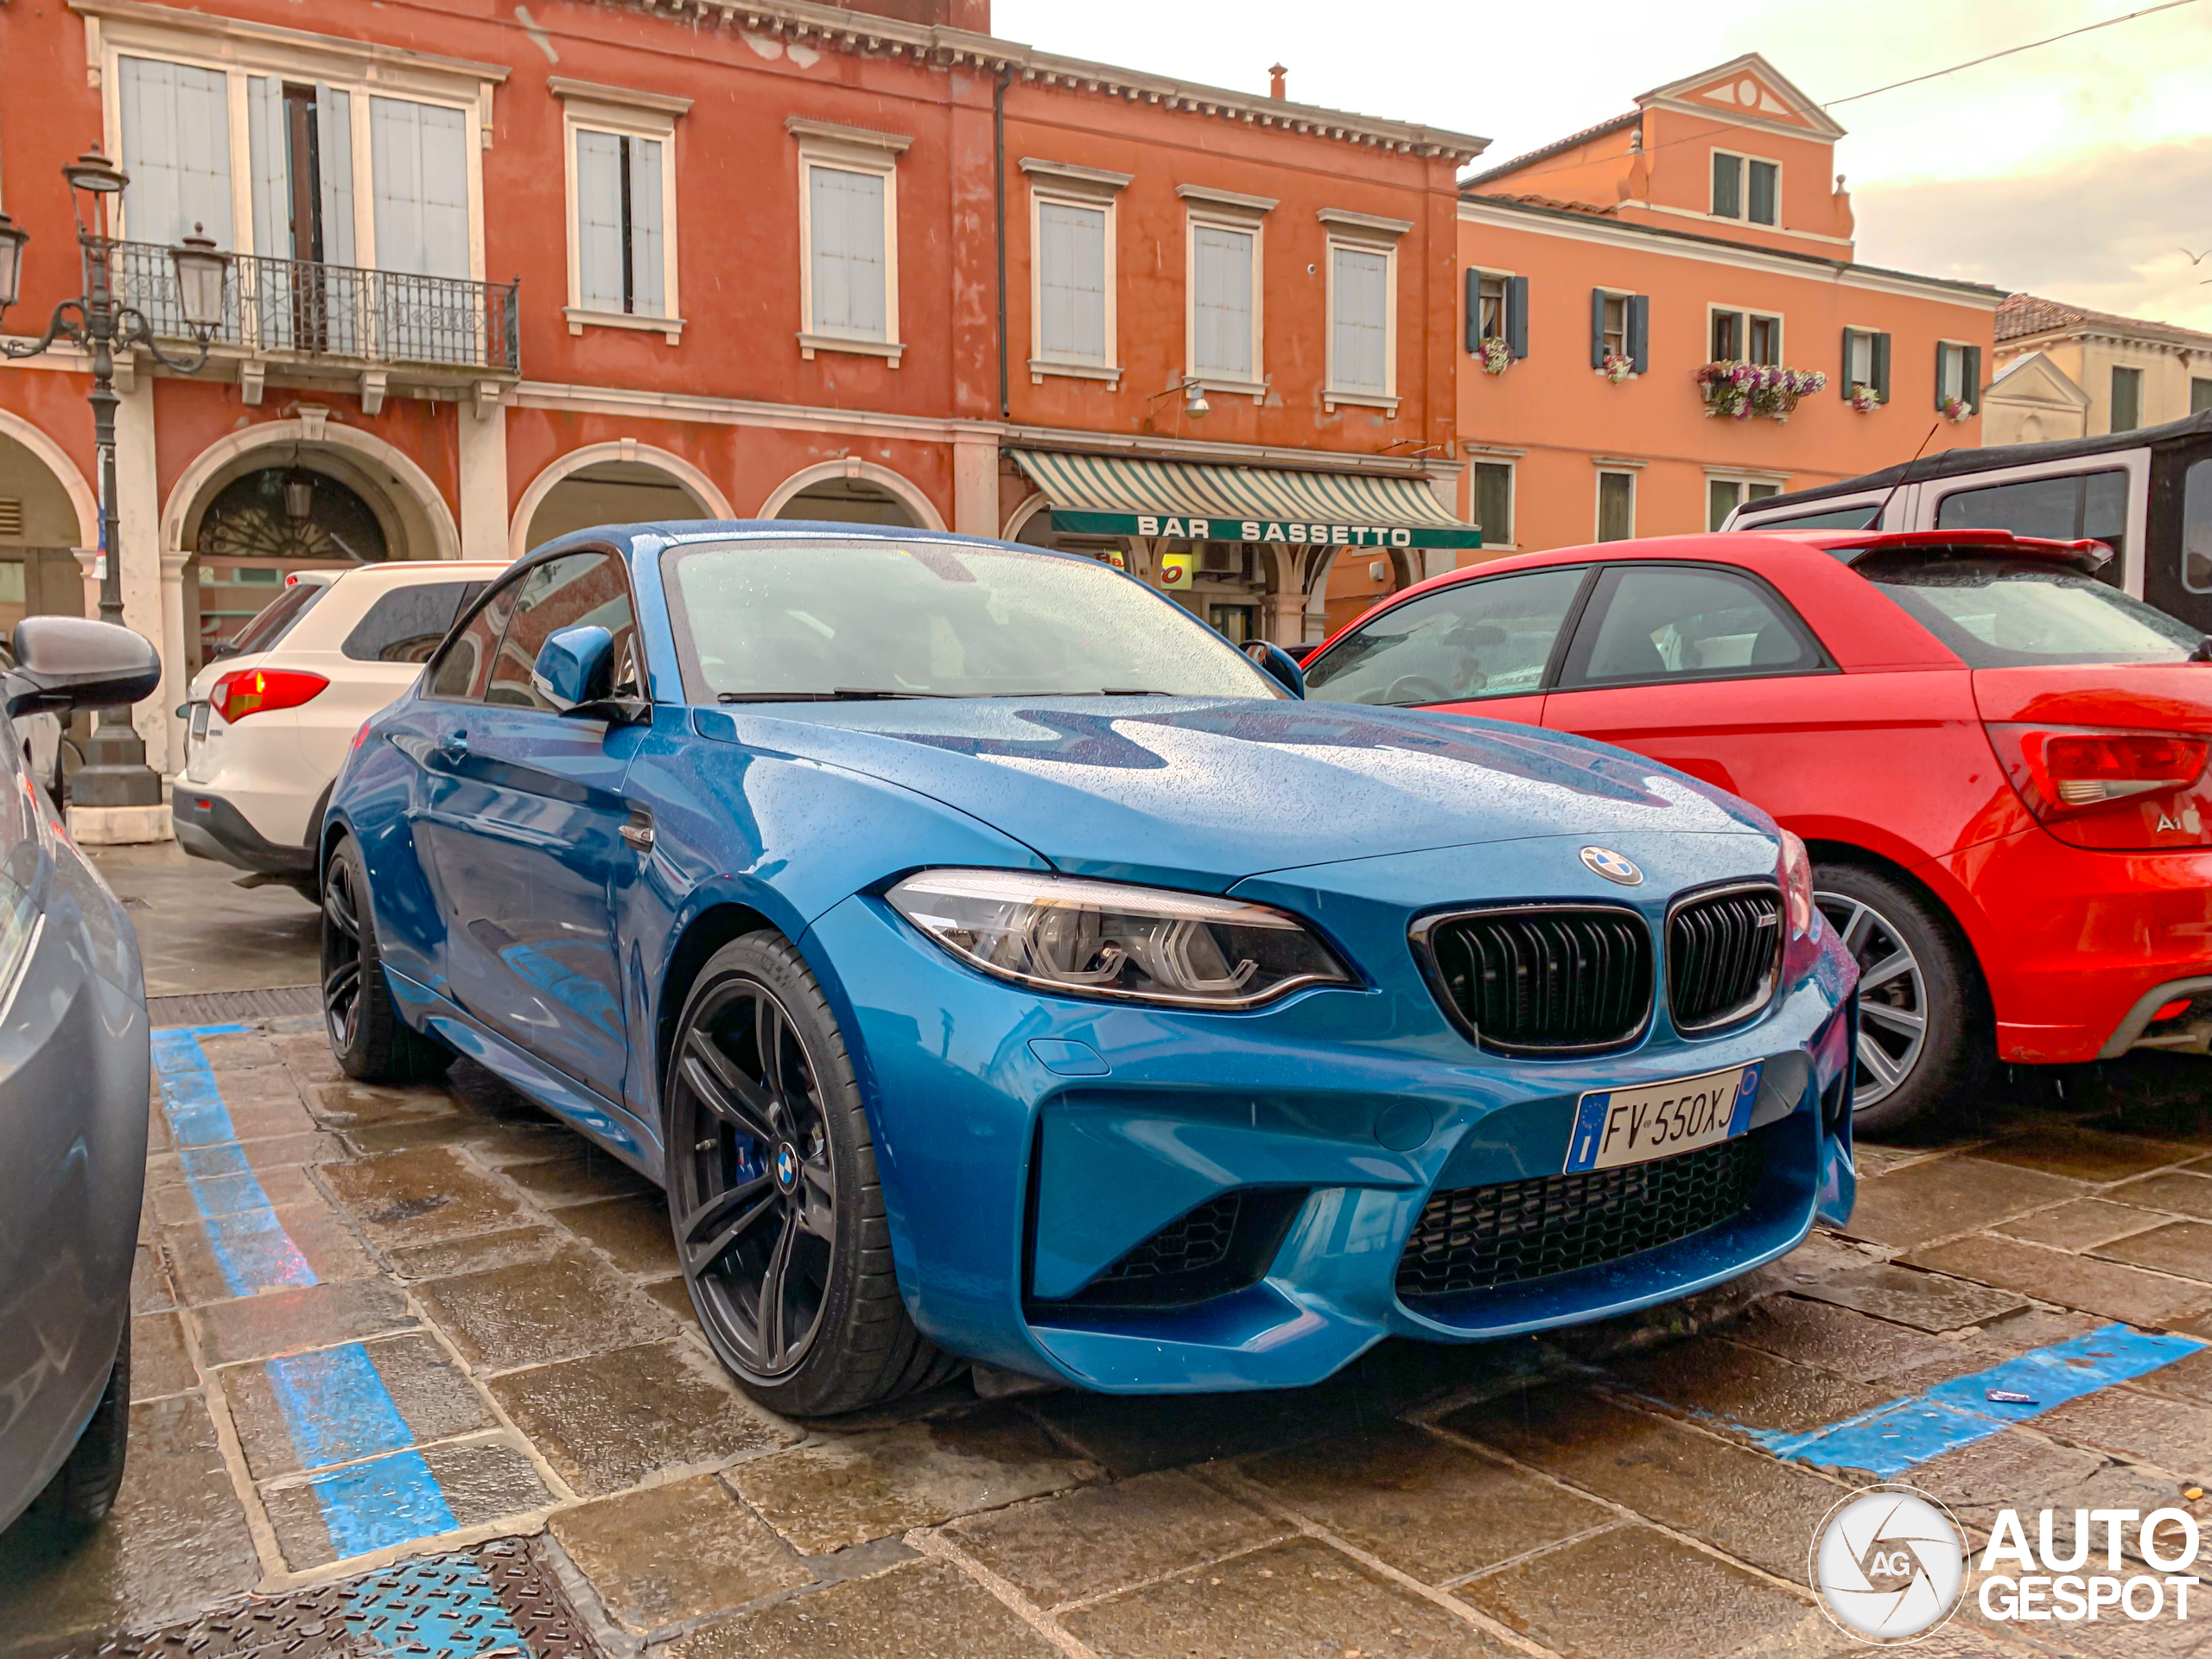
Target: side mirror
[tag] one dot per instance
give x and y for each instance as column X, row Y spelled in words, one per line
column 575, row 671
column 1279, row 664
column 66, row 662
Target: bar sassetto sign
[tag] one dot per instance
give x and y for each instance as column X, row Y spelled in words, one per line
column 1302, row 534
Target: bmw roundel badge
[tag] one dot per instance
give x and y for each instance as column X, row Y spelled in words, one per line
column 1614, row 867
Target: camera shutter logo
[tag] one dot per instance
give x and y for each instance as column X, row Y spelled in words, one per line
column 1889, row 1565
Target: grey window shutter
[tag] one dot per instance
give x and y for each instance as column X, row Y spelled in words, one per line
column 1939, row 374
column 1970, row 381
column 1596, row 327
column 1844, row 378
column 1474, row 311
column 1882, row 367
column 1516, row 316
column 1639, row 332
column 268, row 152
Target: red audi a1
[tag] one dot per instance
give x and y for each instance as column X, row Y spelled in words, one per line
column 1996, row 759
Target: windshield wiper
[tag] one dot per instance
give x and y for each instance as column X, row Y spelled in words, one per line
column 842, row 694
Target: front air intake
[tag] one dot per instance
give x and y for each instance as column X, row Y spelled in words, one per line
column 1225, row 1244
column 1542, row 979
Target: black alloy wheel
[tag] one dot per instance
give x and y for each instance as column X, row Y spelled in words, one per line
column 756, row 1222
column 774, row 1196
column 368, row 1038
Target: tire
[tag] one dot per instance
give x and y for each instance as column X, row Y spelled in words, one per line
column 1914, row 967
column 83, row 1490
column 370, row 1041
column 774, row 1198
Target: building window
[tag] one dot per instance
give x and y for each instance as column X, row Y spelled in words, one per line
column 849, row 239
column 1224, row 303
column 2126, row 399
column 1865, row 362
column 621, row 178
column 1616, row 506
column 1764, row 206
column 1745, row 337
column 1360, row 318
column 1072, row 284
column 1761, row 203
column 176, row 150
column 1613, row 324
column 1497, row 308
column 1620, row 325
column 2200, row 394
column 1494, row 502
column 1489, row 308
column 1958, row 372
column 1724, row 495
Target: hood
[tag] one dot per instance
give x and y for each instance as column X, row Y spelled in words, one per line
column 1201, row 792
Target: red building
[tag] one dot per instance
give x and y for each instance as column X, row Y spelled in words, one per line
column 504, row 271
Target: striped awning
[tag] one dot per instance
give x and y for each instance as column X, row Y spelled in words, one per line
column 1109, row 495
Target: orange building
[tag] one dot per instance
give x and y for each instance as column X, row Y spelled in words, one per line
column 502, row 271
column 1601, row 273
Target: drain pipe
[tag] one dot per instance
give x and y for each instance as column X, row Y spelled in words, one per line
column 998, row 173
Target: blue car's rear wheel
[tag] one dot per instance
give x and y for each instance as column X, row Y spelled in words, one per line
column 772, row 1193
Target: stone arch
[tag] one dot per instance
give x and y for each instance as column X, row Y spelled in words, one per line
column 1019, row 520
column 51, row 455
column 382, row 475
column 919, row 508
column 626, row 462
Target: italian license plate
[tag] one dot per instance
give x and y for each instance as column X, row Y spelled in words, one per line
column 1633, row 1125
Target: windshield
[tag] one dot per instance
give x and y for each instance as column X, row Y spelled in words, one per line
column 2024, row 612
column 758, row 620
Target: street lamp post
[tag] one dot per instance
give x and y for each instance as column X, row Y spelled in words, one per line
column 115, row 772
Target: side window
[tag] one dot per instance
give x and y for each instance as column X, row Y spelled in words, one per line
column 2197, row 527
column 1475, row 639
column 1860, row 516
column 2065, row 508
column 464, row 667
column 569, row 592
column 405, row 624
column 1664, row 622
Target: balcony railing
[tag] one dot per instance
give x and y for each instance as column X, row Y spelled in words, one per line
column 335, row 311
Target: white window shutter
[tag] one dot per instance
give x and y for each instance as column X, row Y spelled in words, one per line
column 267, row 153
column 1222, row 311
column 334, row 126
column 1362, row 320
column 419, row 153
column 845, row 212
column 1071, row 282
column 599, row 221
column 647, row 243
column 176, row 148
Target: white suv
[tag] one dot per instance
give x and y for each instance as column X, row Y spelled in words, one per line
column 271, row 722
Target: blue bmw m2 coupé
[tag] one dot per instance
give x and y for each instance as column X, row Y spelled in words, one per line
column 993, row 961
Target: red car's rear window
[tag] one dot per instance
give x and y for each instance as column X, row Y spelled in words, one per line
column 1998, row 612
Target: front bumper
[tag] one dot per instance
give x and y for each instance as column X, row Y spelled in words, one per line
column 208, row 826
column 1025, row 1143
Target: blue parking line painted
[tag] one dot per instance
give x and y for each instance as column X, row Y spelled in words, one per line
column 351, row 1435
column 336, row 1406
column 446, row 1606
column 1904, row 1434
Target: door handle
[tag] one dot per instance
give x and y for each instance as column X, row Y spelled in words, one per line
column 453, row 746
column 638, row 832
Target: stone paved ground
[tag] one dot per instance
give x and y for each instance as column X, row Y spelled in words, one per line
column 1613, row 1493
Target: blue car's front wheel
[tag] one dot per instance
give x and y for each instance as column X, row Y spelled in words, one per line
column 773, row 1194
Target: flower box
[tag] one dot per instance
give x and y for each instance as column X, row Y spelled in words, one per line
column 1739, row 391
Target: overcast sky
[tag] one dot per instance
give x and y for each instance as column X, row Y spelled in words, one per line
column 2081, row 171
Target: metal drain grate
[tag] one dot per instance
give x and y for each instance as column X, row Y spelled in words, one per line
column 496, row 1600
column 214, row 1007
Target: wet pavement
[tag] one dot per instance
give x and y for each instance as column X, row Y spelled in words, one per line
column 392, row 1340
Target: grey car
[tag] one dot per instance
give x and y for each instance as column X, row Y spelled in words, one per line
column 73, row 1076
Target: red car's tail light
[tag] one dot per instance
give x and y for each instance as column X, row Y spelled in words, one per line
column 2114, row 789
column 258, row 690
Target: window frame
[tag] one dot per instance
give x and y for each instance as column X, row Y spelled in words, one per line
column 1348, row 231
column 1712, row 180
column 508, row 579
column 1570, row 621
column 1511, row 467
column 1749, row 162
column 1223, row 210
column 1597, row 536
column 1880, row 354
column 1094, row 190
column 238, row 53
column 1967, row 356
column 617, row 112
column 848, row 150
column 1923, row 502
column 1598, row 599
column 2112, row 406
column 1744, row 316
column 1744, row 159
column 1745, row 481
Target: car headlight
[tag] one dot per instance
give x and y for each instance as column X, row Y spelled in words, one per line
column 1793, row 868
column 1101, row 939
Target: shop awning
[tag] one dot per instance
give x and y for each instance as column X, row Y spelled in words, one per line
column 1107, row 495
